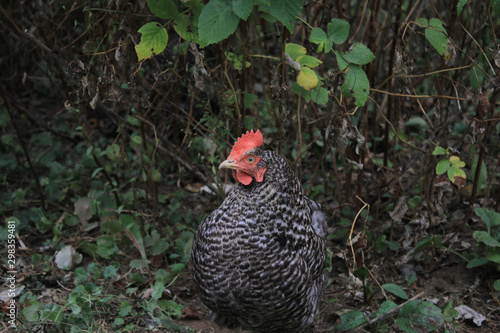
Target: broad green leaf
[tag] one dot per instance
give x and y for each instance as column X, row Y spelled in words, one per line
column 436, row 35
column 338, row 31
column 106, row 247
column 285, row 11
column 53, row 313
column 295, row 50
column 308, row 61
column 494, row 256
column 165, row 9
column 439, row 151
column 356, row 85
column 477, row 262
column 318, row 36
column 419, row 316
column 386, row 306
column 319, row 95
column 358, row 54
column 496, row 285
column 489, row 217
column 299, row 90
column 340, row 61
column 154, row 39
column 485, row 238
column 307, row 78
column 349, row 320
column 423, row 21
column 242, row 8
column 217, row 21
column 442, row 166
column 395, row 289
column 30, row 312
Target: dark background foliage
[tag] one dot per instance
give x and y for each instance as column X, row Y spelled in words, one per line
column 118, row 158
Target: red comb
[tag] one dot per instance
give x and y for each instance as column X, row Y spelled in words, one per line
column 246, row 142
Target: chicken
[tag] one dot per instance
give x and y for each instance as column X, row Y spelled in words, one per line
column 258, row 260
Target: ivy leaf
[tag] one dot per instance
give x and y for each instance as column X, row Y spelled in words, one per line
column 338, row 31
column 242, row 8
column 165, row 9
column 356, row 85
column 217, row 21
column 285, row 11
column 307, row 78
column 358, row 54
column 154, row 39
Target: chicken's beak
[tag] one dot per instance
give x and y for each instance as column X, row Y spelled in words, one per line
column 228, row 164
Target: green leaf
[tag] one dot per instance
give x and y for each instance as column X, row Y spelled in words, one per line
column 356, row 85
column 436, row 35
column 395, row 289
column 165, row 9
column 349, row 320
column 307, row 78
column 494, row 255
column 242, row 8
column 460, row 6
column 217, row 21
column 496, row 285
column 485, row 238
column 154, row 39
column 106, row 247
column 134, row 233
column 295, row 50
column 439, row 151
column 477, row 262
column 285, row 11
column 386, row 306
column 318, row 36
column 449, row 312
column 30, row 312
column 308, row 61
column 419, row 316
column 109, row 272
column 338, row 31
column 489, row 217
column 319, row 95
column 442, row 166
column 299, row 90
column 358, row 54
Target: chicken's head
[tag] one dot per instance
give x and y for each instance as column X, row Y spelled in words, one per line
column 243, row 159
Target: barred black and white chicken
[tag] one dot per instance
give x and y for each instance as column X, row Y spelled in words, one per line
column 258, row 260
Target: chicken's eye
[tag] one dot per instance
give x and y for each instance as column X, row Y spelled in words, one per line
column 250, row 160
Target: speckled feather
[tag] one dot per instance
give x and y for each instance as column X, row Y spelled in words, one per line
column 258, row 260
